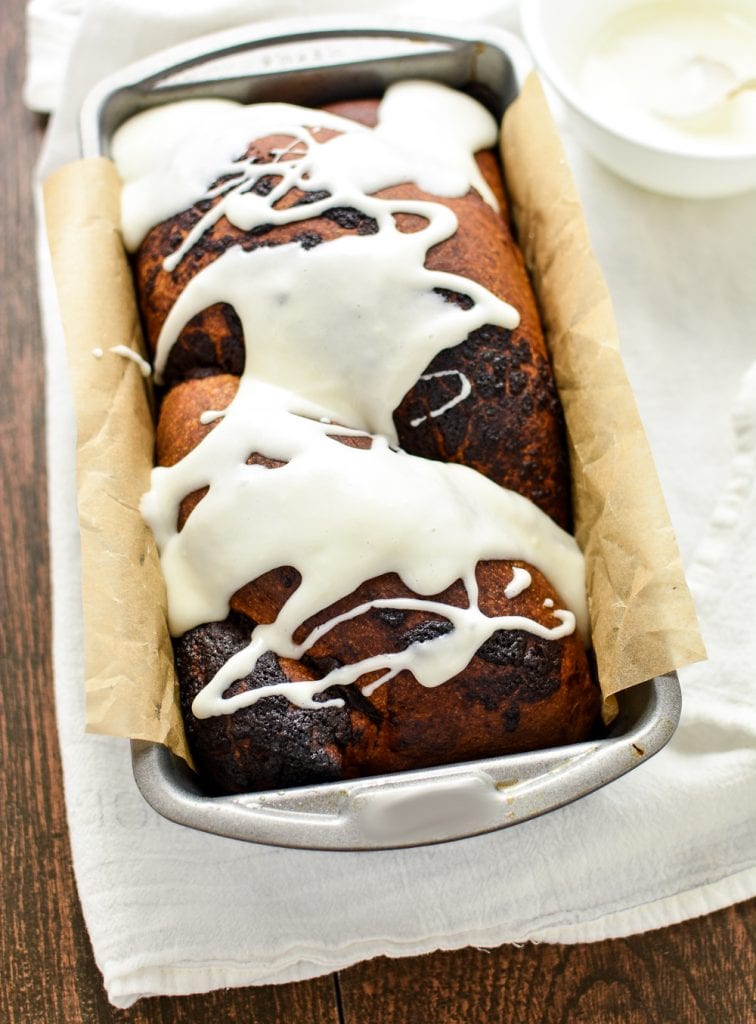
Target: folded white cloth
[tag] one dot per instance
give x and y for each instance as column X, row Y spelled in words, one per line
column 173, row 911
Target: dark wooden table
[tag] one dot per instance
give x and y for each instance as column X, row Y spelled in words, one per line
column 700, row 971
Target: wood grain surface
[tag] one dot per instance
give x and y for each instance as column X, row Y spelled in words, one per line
column 700, row 971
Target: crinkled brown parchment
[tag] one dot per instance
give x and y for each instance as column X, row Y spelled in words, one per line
column 128, row 659
column 643, row 620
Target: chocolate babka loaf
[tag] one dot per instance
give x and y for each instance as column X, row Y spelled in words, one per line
column 361, row 494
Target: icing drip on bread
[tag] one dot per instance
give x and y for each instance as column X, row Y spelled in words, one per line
column 334, row 335
column 170, row 157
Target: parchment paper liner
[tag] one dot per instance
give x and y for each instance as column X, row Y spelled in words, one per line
column 642, row 615
column 128, row 660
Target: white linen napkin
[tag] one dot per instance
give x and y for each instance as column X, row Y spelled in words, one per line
column 173, row 911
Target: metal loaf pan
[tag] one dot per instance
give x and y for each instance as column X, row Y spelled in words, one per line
column 312, row 62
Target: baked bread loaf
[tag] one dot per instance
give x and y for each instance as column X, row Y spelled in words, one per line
column 362, row 486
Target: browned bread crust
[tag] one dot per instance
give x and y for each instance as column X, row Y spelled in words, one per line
column 519, row 692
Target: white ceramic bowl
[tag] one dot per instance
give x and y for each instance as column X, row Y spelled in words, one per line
column 559, row 34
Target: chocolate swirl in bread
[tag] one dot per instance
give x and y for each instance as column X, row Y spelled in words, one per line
column 333, row 318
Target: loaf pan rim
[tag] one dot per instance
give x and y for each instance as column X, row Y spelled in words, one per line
column 531, row 784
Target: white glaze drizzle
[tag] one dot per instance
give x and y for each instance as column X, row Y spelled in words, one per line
column 211, row 415
column 465, row 389
column 169, row 156
column 350, row 324
column 128, row 353
column 335, row 334
column 521, row 580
